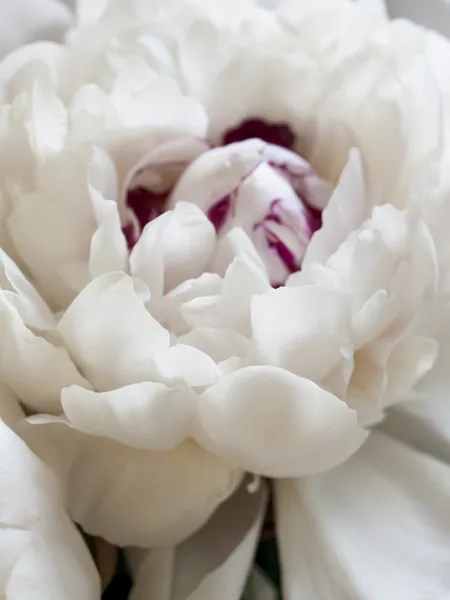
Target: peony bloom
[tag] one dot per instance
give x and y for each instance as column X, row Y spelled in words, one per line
column 223, row 253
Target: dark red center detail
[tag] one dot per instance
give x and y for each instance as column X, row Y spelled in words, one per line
column 279, row 134
column 146, row 205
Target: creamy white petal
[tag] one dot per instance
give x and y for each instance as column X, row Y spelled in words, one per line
column 145, row 415
column 32, row 367
column 347, row 209
column 185, row 241
column 214, row 563
column 423, row 420
column 133, row 497
column 376, row 527
column 231, row 307
column 110, row 334
column 271, row 422
column 42, row 555
column 301, row 329
column 22, row 295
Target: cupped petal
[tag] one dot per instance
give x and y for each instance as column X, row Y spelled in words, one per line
column 145, row 415
column 42, row 555
column 376, row 527
column 271, row 422
column 181, row 242
column 301, row 329
column 110, row 334
column 214, row 563
column 34, row 369
column 129, row 496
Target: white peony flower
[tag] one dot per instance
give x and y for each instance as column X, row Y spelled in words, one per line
column 218, row 257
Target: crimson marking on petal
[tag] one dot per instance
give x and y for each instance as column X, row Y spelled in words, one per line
column 129, row 231
column 279, row 134
column 218, row 213
column 146, row 205
column 286, row 256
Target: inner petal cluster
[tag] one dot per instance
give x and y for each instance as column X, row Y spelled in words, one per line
column 252, row 180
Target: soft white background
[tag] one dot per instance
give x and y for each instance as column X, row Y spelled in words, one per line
column 23, row 21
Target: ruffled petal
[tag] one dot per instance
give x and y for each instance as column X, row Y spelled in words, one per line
column 273, row 423
column 376, row 527
column 214, row 563
column 32, row 367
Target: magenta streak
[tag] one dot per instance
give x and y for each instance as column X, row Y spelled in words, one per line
column 220, row 211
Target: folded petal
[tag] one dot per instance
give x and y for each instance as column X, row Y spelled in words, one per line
column 110, row 334
column 376, row 527
column 32, row 367
column 22, row 295
column 145, row 415
column 271, row 422
column 214, row 563
column 42, row 555
column 133, row 497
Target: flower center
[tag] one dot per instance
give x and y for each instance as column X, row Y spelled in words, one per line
column 278, row 134
column 253, row 181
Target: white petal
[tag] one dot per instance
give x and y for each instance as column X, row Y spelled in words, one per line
column 214, row 563
column 375, row 528
column 302, row 329
column 33, row 368
column 25, row 21
column 271, row 422
column 424, row 421
column 134, row 497
column 231, row 307
column 186, row 243
column 184, row 363
column 235, row 243
column 42, row 555
column 110, row 334
column 144, row 415
column 347, row 209
column 146, row 258
column 219, row 344
column 29, row 304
